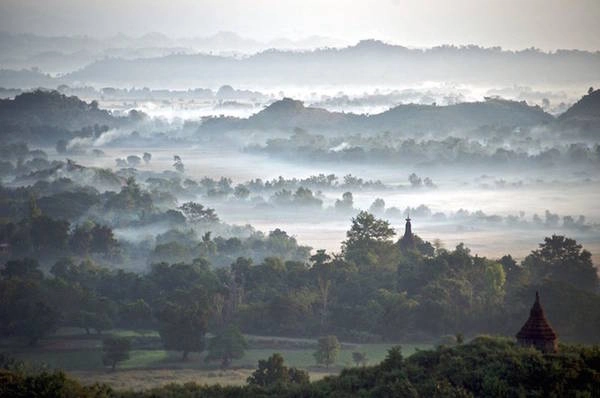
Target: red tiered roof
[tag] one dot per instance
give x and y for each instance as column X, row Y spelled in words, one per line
column 537, row 327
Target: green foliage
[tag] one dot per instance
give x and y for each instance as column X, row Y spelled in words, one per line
column 115, row 350
column 417, row 297
column 196, row 213
column 93, row 238
column 327, row 350
column 562, row 259
column 227, row 345
column 47, row 233
column 272, row 372
column 131, row 198
column 37, row 319
column 98, row 321
column 183, row 321
column 360, row 358
column 484, row 367
column 24, row 308
column 368, row 242
column 365, row 227
column 26, row 268
column 47, row 385
column 137, row 314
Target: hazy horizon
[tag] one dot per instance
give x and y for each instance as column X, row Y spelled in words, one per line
column 547, row 25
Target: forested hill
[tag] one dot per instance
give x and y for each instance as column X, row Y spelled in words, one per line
column 52, row 108
column 584, row 115
column 467, row 115
column 287, row 114
column 49, row 116
column 588, row 107
column 368, row 62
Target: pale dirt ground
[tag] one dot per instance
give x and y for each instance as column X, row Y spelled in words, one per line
column 139, row 379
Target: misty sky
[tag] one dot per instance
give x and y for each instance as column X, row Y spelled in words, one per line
column 514, row 24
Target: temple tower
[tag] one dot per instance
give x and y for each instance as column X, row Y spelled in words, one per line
column 408, row 230
column 407, row 242
column 537, row 332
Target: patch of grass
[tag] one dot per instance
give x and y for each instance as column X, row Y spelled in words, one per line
column 303, row 358
column 67, row 360
column 133, row 333
column 67, row 351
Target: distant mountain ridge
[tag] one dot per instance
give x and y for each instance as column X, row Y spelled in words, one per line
column 369, row 62
column 62, row 54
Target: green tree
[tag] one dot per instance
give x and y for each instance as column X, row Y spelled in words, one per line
column 346, row 203
column 99, row 321
column 323, row 269
column 241, row 192
column 183, row 321
column 131, row 198
column 115, row 350
column 137, row 314
column 377, row 207
column 366, row 228
column 227, row 345
column 26, row 268
column 368, row 241
column 47, row 233
column 563, row 259
column 360, row 358
column 34, row 209
column 197, row 213
column 272, row 371
column 36, row 321
column 178, row 164
column 327, row 350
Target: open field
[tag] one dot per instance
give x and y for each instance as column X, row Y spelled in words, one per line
column 140, row 379
column 81, row 356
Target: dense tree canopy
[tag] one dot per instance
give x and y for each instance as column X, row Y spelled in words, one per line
column 562, row 259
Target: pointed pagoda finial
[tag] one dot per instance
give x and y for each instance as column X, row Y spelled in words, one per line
column 537, row 296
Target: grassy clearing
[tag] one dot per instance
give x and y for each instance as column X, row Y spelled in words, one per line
column 66, row 360
column 160, row 359
column 146, row 368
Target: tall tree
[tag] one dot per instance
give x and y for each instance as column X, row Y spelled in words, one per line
column 563, row 259
column 327, row 350
column 227, row 345
column 323, row 269
column 368, row 241
column 115, row 350
column 183, row 321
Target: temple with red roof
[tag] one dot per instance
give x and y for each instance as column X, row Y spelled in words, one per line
column 537, row 332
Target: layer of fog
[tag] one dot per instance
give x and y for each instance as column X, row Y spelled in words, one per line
column 493, row 214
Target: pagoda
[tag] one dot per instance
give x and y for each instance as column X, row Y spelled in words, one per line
column 407, row 242
column 537, row 332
